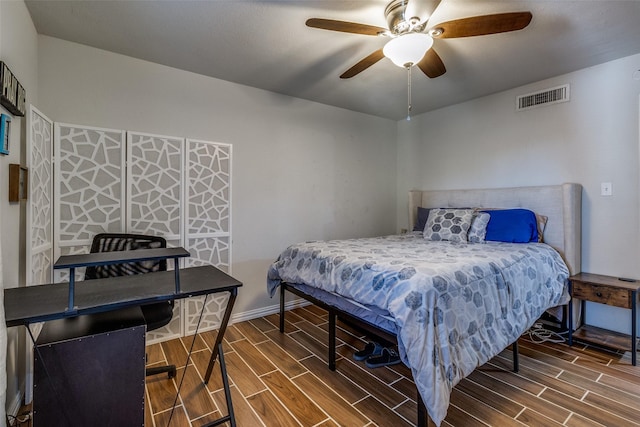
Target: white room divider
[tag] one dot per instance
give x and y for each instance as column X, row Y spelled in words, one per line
column 111, row 180
column 39, row 238
column 89, row 188
column 155, row 200
column 208, row 223
column 40, row 198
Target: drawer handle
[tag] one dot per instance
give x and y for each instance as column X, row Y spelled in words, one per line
column 599, row 294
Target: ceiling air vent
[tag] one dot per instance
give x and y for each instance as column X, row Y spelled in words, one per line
column 545, row 97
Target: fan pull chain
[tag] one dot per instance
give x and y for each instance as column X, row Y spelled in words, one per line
column 409, row 94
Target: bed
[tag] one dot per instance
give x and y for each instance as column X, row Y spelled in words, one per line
column 450, row 305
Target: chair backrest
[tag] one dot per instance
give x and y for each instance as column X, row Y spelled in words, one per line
column 110, row 242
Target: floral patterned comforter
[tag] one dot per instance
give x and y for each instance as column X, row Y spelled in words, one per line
column 456, row 305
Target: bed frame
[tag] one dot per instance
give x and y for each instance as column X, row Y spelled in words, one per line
column 561, row 204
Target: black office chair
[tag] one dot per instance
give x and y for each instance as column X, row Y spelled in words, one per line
column 155, row 315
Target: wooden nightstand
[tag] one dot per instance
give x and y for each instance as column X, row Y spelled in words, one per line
column 604, row 290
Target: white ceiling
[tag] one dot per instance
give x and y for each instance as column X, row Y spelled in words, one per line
column 265, row 44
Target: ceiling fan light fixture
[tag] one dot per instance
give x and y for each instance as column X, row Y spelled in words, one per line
column 408, row 49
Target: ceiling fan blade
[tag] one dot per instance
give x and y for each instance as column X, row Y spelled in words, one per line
column 344, row 26
column 363, row 64
column 483, row 25
column 432, row 65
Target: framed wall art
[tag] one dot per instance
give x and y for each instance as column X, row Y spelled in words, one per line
column 18, row 183
column 5, row 131
column 12, row 93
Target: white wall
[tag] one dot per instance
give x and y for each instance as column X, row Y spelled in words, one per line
column 18, row 49
column 485, row 143
column 301, row 170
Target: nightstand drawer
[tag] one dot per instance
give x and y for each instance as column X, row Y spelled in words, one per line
column 601, row 294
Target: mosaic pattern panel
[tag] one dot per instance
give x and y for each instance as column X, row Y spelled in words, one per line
column 40, row 269
column 208, row 183
column 40, row 201
column 171, row 330
column 154, row 184
column 208, row 187
column 174, row 328
column 209, row 251
column 89, row 182
column 62, row 275
column 206, row 251
column 212, row 316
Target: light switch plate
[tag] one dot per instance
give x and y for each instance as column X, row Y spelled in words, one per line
column 606, row 189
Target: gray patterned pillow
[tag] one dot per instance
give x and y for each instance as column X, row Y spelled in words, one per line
column 478, row 229
column 448, row 224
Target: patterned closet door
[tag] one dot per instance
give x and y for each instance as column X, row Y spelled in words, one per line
column 208, row 226
column 89, row 188
column 155, row 199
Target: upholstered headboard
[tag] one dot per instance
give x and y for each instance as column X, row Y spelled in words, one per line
column 562, row 204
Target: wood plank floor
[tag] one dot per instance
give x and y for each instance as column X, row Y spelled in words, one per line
column 282, row 380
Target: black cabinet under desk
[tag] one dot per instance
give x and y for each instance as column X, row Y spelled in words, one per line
column 90, row 371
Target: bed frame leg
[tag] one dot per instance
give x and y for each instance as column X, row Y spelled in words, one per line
column 332, row 340
column 282, row 291
column 423, row 417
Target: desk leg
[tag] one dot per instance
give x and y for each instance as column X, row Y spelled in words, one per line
column 216, row 352
column 176, row 274
column 223, row 327
column 227, row 394
column 71, row 305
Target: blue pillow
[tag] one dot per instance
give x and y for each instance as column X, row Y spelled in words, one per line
column 512, row 225
column 421, row 221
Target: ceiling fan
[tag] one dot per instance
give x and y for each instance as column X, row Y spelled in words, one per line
column 412, row 37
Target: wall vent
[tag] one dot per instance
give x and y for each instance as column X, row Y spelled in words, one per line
column 554, row 95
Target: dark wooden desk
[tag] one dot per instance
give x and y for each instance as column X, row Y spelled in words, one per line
column 49, row 302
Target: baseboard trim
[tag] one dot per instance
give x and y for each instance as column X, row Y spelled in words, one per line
column 243, row 316
column 265, row 311
column 14, row 407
